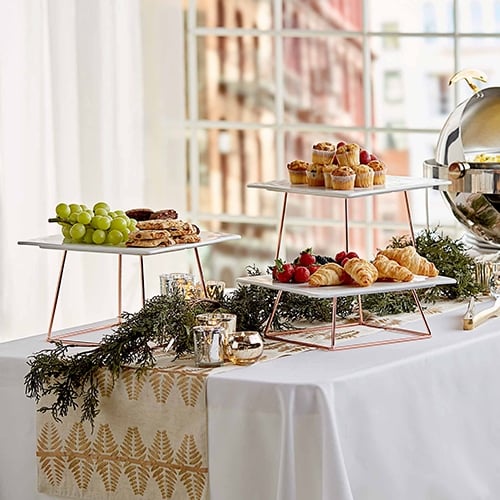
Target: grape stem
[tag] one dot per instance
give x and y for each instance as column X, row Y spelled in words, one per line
column 57, row 219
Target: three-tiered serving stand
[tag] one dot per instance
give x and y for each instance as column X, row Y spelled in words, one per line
column 393, row 184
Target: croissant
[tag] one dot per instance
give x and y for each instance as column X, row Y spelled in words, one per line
column 328, row 274
column 409, row 258
column 388, row 268
column 364, row 273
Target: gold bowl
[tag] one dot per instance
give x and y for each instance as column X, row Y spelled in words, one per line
column 244, row 348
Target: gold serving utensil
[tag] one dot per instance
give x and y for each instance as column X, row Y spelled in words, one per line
column 473, row 319
column 469, row 75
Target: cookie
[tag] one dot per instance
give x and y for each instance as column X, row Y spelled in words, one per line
column 186, row 238
column 149, row 234
column 139, row 213
column 153, row 224
column 167, row 213
column 158, row 242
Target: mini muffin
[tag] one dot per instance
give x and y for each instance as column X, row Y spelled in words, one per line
column 297, row 171
column 323, row 153
column 348, row 154
column 327, row 174
column 364, row 176
column 343, row 178
column 315, row 175
column 379, row 170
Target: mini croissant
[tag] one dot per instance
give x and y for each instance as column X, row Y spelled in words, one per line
column 327, row 275
column 364, row 273
column 409, row 258
column 390, row 269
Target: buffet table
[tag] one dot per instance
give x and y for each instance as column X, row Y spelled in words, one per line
column 416, row 420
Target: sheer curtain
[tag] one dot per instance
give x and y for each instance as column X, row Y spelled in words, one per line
column 88, row 112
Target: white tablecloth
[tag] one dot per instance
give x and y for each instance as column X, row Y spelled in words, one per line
column 413, row 421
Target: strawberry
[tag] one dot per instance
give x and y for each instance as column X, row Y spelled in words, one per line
column 340, row 143
column 373, row 157
column 339, row 257
column 344, row 260
column 283, row 271
column 364, row 156
column 306, row 257
column 313, row 268
column 301, row 274
column 352, row 255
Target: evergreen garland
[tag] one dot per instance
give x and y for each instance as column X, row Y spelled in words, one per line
column 70, row 376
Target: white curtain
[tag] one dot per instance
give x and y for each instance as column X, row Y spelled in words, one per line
column 77, row 124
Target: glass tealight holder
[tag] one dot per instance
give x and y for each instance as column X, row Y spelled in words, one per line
column 208, row 343
column 215, row 289
column 184, row 282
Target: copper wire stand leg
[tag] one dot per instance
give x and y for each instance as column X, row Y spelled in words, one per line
column 283, row 336
column 410, row 222
column 282, row 223
column 346, row 225
column 74, row 333
column 200, row 271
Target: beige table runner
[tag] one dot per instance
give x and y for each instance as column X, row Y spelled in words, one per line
column 149, row 440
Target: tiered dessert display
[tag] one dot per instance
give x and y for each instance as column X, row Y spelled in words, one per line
column 347, row 171
column 139, row 232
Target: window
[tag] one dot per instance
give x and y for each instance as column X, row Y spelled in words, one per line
column 284, row 75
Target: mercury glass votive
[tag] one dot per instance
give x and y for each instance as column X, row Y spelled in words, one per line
column 244, row 348
column 225, row 320
column 208, row 343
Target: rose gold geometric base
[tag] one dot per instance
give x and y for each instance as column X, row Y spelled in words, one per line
column 283, row 335
column 68, row 338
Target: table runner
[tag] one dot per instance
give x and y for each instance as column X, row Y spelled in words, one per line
column 149, row 439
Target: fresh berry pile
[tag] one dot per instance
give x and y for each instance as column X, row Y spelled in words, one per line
column 297, row 271
column 342, row 257
column 303, row 266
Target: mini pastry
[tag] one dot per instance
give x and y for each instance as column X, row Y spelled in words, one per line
column 389, row 269
column 330, row 274
column 364, row 176
column 343, row 178
column 297, row 171
column 323, row 153
column 348, row 154
column 363, row 273
column 409, row 258
column 327, row 175
column 315, row 175
column 379, row 170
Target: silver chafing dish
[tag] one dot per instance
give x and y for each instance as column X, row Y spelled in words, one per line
column 468, row 155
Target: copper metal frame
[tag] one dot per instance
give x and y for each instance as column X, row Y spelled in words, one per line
column 68, row 338
column 281, row 335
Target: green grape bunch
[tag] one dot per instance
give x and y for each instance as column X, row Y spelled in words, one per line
column 96, row 226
